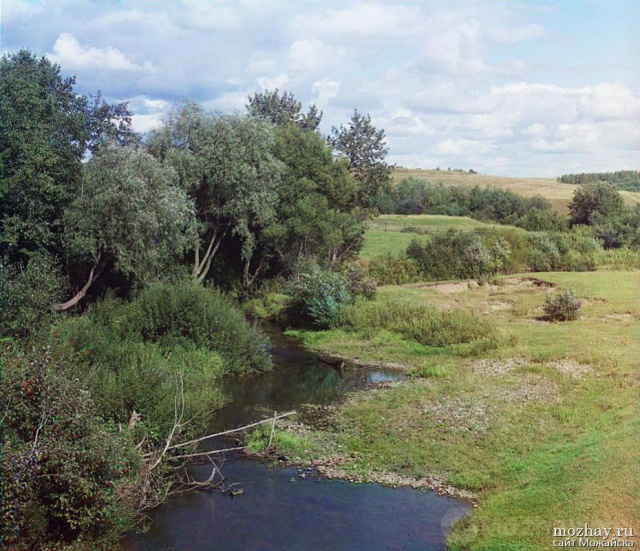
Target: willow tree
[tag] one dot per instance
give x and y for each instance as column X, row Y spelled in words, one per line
column 130, row 216
column 226, row 164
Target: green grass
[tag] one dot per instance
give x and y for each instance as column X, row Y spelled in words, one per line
column 385, row 235
column 544, row 428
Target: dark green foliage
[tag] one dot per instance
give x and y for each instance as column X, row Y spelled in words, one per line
column 479, row 255
column 316, row 217
column 65, row 471
column 45, row 129
column 283, row 110
column 186, row 313
column 391, row 270
column 628, row 180
column 418, row 196
column 364, row 147
column 171, row 339
column 592, row 199
column 562, row 307
column 456, row 254
column 319, row 297
column 28, row 296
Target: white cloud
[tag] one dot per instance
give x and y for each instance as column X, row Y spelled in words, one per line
column 68, row 52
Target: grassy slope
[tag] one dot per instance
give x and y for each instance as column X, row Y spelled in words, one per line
column 545, row 442
column 385, row 235
column 559, row 194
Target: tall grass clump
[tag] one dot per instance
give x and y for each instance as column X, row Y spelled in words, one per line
column 173, row 340
column 618, row 259
column 421, row 323
column 185, row 313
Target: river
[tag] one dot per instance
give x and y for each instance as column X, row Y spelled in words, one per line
column 281, row 511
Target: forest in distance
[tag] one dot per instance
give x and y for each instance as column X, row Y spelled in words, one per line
column 135, row 269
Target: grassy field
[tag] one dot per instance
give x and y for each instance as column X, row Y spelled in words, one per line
column 543, row 427
column 386, row 236
column 559, row 194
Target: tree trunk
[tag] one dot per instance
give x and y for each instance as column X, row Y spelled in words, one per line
column 93, row 275
column 201, row 267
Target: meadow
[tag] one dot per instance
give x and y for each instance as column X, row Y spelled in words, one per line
column 535, row 421
column 542, row 428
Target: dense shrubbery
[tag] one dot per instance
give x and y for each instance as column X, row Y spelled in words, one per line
column 28, row 296
column 138, row 355
column 66, row 473
column 319, row 296
column 392, row 270
column 479, row 255
column 562, row 307
column 416, row 196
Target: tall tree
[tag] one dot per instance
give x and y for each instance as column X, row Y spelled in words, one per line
column 364, row 148
column 131, row 216
column 317, row 216
column 226, row 164
column 283, row 109
column 45, row 130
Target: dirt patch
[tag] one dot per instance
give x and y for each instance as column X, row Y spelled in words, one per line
column 625, row 318
column 497, row 367
column 448, row 288
column 572, row 368
column 498, row 305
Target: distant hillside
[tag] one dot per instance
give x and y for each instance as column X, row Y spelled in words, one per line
column 628, row 180
column 558, row 193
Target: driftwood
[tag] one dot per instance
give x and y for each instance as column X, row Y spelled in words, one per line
column 156, row 485
column 338, row 365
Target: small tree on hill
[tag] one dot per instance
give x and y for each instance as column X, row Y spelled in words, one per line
column 364, row 147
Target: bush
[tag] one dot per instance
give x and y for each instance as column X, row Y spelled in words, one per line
column 139, row 355
column 319, row 297
column 562, row 307
column 460, row 255
column 359, row 284
column 391, row 270
column 65, row 471
column 187, row 313
column 28, row 296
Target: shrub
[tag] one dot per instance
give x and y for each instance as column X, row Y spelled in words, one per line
column 65, row 471
column 391, row 270
column 28, row 295
column 359, row 284
column 175, row 314
column 562, row 307
column 319, row 297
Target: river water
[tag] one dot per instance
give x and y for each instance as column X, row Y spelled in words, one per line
column 279, row 510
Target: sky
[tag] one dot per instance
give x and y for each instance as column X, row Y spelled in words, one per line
column 533, row 88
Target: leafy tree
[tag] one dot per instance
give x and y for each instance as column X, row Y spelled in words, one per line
column 315, row 214
column 600, row 197
column 226, row 164
column 45, row 130
column 283, row 109
column 130, row 215
column 364, row 148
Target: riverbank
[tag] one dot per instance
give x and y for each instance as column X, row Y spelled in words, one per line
column 542, row 428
